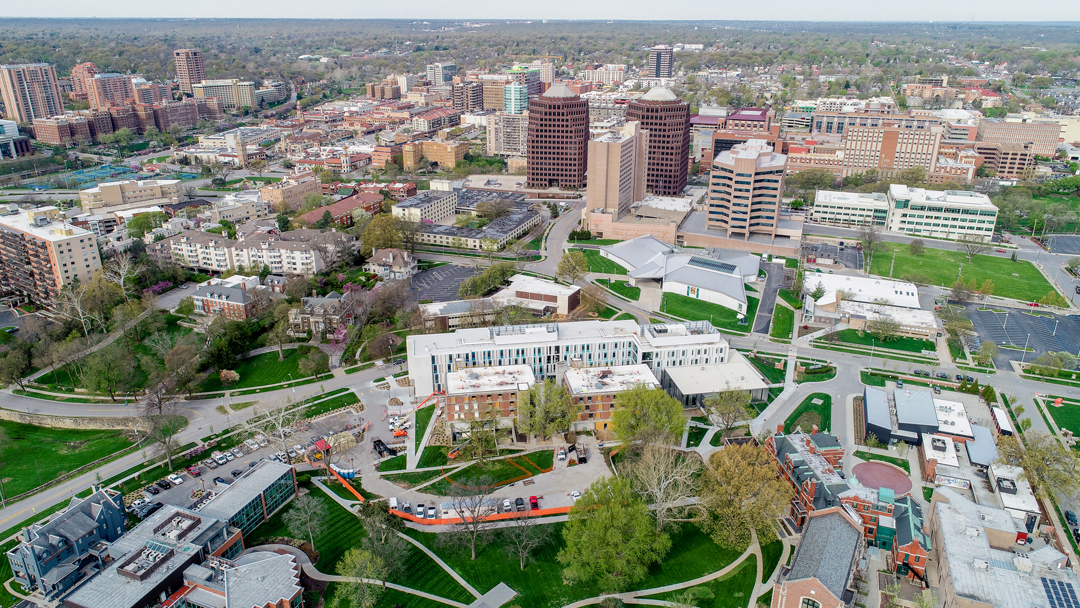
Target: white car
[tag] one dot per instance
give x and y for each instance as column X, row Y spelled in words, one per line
column 230, row 456
column 292, row 453
column 175, row 479
column 299, row 448
column 575, row 495
column 507, row 507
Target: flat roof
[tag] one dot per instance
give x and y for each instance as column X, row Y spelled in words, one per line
column 952, row 418
column 487, row 379
column 1013, row 490
column 737, row 374
column 981, row 450
column 915, row 407
column 249, row 486
column 600, row 380
column 868, row 289
column 876, row 199
column 963, row 198
column 907, row 317
column 543, row 286
column 876, row 403
column 940, row 448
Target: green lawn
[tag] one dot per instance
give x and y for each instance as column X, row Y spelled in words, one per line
column 695, row 435
column 729, row 591
column 342, row 531
column 903, row 464
column 765, row 366
column 423, row 416
column 783, row 322
column 260, row 370
column 329, row 405
column 693, row 309
column 625, row 317
column 1067, row 416
column 1019, row 280
column 693, row 554
column 608, row 313
column 771, row 552
column 409, row 480
column 36, row 454
column 791, row 298
column 598, row 263
column 911, row 345
column 397, row 463
column 433, row 456
column 809, row 413
column 597, row 242
column 623, row 288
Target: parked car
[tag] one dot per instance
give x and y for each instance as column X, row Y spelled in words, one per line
column 236, row 473
column 899, row 383
column 420, row 512
column 281, row 456
column 1076, row 535
column 175, row 479
column 431, row 512
column 210, row 463
column 920, row 372
column 299, row 448
column 575, row 495
column 942, row 376
column 401, row 433
column 406, row 508
column 230, row 456
column 399, row 361
column 153, row 490
column 1070, row 517
column 251, row 465
column 519, row 502
column 221, row 480
column 181, row 286
column 937, row 389
column 506, row 506
column 1033, row 304
column 534, row 503
column 238, row 451
column 292, row 453
column 969, row 378
column 194, row 471
column 164, row 485
column 135, row 505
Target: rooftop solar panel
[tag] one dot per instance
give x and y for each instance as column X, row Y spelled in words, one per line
column 712, row 265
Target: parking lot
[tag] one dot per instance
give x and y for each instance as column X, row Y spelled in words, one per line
column 1013, row 327
column 849, row 257
column 1064, row 243
column 217, row 479
column 441, row 284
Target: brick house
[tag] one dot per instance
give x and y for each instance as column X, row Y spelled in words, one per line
column 822, row 572
column 811, row 463
column 473, row 392
column 330, row 313
column 234, row 302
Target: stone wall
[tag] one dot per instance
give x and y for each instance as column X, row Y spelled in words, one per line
column 76, row 422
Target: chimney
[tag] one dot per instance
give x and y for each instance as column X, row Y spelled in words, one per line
column 780, row 429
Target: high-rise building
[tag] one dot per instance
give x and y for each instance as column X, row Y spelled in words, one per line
column 108, row 90
column 406, row 82
column 1041, row 137
column 62, row 130
column 661, row 60
column 30, row 91
column 744, row 189
column 190, row 69
column 617, row 169
column 890, row 149
column 232, row 93
column 494, row 91
column 526, row 76
column 558, row 148
column 507, row 134
column 468, row 96
column 667, row 119
column 515, row 99
column 440, row 74
column 81, row 75
column 40, row 253
column 547, row 71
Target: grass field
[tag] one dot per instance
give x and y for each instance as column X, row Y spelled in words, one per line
column 809, row 413
column 608, row 313
column 433, row 456
column 397, row 463
column 771, row 551
column 693, row 309
column 911, row 345
column 729, row 591
column 329, row 405
column 693, row 554
column 783, row 322
column 1019, row 280
column 342, row 531
column 423, row 416
column 622, row 288
column 624, row 317
column 598, row 263
column 765, row 366
column 409, row 480
column 903, row 464
column 259, row 370
column 36, row 454
column 695, row 435
column 1067, row 416
column 791, row 298
column 495, row 472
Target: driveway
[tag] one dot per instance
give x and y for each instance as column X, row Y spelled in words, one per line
column 774, row 272
column 171, row 298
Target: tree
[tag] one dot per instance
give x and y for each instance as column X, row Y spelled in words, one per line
column 647, row 414
column 74, row 304
column 122, row 270
column 726, row 408
column 665, row 478
column 917, row 247
column 1047, row 464
column 548, row 410
column 1073, row 265
column 494, row 209
column 573, row 266
column 610, row 538
column 884, row 328
column 818, row 292
column 524, row 534
column 592, row 299
column 383, row 535
column 283, row 223
column 987, row 288
column 410, row 235
column 306, row 517
column 274, row 420
column 109, row 369
column 474, row 506
column 13, row 366
column 988, row 351
column 186, row 307
column 258, row 166
column 163, row 430
column 972, row 247
column 809, row 182
column 279, row 335
column 1054, row 299
column 741, row 491
column 960, row 291
column 145, row 222
column 314, row 363
column 384, row 231
column 870, row 235
column 331, row 247
column 361, row 570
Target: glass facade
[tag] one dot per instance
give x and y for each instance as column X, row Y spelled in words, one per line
column 252, row 514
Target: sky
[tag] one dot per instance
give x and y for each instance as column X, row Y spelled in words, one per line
column 794, row 10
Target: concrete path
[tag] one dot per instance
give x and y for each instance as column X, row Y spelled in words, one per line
column 348, row 504
column 27, row 598
column 442, row 564
column 498, row 596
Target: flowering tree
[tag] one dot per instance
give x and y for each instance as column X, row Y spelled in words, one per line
column 229, row 377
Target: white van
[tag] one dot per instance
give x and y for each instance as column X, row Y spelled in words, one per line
column 252, row 444
column 393, row 504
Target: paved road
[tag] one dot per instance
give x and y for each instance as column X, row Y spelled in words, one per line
column 774, row 272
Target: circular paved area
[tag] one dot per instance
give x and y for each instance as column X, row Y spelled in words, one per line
column 879, row 475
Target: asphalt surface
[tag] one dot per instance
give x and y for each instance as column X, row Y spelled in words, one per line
column 774, row 273
column 1064, row 244
column 441, row 284
column 1018, row 328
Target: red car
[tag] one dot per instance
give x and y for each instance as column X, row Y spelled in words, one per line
column 194, row 471
column 534, row 503
column 1033, row 304
column 1000, row 250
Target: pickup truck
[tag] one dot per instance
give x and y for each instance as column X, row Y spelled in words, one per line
column 219, row 458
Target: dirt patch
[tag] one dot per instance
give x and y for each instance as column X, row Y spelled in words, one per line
column 403, row 382
column 394, row 401
column 385, row 386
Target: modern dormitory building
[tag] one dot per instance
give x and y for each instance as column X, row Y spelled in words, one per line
column 552, row 350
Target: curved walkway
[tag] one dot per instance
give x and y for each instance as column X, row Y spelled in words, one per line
column 311, row 571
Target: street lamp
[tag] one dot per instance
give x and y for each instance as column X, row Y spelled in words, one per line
column 1024, row 356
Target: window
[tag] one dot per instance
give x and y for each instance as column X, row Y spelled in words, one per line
column 809, row 603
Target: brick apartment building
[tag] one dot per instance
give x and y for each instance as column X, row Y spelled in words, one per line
column 558, row 139
column 291, row 190
column 30, row 91
column 341, row 212
column 447, row 154
column 667, row 119
column 40, row 253
column 64, row 131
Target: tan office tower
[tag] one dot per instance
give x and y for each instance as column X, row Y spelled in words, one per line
column 744, row 190
column 617, row 162
column 661, row 60
column 190, row 69
column 558, row 139
column 109, row 90
column 30, row 91
column 667, row 119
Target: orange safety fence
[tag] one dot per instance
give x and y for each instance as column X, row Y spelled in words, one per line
column 493, row 517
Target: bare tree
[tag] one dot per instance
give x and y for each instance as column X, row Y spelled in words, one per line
column 871, row 237
column 306, row 517
column 728, row 407
column 474, row 506
column 163, row 430
column 274, row 420
column 160, row 344
column 383, row 535
column 122, row 270
column 972, row 247
column 665, row 478
column 72, row 304
column 332, row 247
column 524, row 534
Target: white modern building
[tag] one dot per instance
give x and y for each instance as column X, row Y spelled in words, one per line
column 431, row 205
column 948, row 214
column 869, row 290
